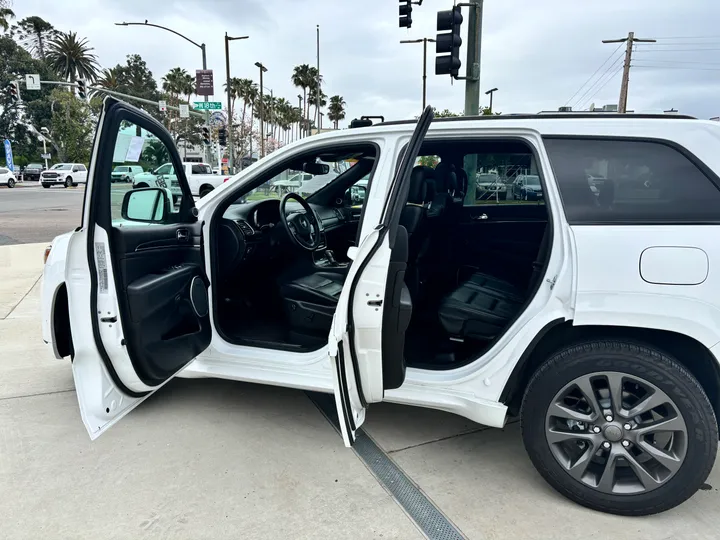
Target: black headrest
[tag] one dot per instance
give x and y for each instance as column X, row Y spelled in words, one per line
column 418, row 187
column 445, row 176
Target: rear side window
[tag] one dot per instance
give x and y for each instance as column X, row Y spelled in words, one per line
column 201, row 169
column 630, row 182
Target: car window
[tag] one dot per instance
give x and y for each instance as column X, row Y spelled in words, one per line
column 303, row 183
column 4, row 171
column 631, row 182
column 200, row 168
column 62, row 167
column 150, row 153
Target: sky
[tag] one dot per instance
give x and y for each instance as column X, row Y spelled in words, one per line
column 539, row 54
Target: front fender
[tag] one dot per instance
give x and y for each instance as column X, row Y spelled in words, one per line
column 53, row 279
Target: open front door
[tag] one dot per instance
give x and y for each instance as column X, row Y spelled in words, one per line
column 368, row 332
column 137, row 289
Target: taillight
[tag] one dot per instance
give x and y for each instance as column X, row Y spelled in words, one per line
column 47, row 254
column 226, row 179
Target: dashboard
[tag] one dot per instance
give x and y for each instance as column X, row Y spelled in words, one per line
column 252, row 230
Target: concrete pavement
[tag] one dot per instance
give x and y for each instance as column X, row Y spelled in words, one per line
column 218, row 459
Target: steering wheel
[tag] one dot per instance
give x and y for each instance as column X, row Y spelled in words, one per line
column 303, row 227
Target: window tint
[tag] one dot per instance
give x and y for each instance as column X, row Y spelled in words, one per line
column 627, row 181
column 82, row 168
column 201, row 168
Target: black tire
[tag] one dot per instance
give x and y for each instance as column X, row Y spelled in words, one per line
column 204, row 191
column 69, row 182
column 11, row 183
column 631, row 359
column 46, row 186
column 140, row 186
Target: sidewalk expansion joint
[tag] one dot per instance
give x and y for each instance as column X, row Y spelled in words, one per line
column 23, row 298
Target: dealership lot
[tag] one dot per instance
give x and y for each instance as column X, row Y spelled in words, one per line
column 217, row 459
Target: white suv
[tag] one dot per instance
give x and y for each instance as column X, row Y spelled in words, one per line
column 66, row 174
column 595, row 318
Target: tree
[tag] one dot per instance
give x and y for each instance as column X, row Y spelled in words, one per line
column 71, row 128
column 33, row 33
column 155, row 153
column 445, row 113
column 110, row 78
column 136, row 79
column 336, row 111
column 71, row 58
column 313, row 100
column 301, row 78
column 5, row 15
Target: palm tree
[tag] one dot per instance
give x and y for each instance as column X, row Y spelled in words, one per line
column 110, row 78
column 5, row 15
column 177, row 82
column 71, row 58
column 336, row 111
column 247, row 90
column 313, row 100
column 33, row 33
column 302, row 78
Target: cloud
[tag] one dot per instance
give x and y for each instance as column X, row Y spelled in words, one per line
column 537, row 53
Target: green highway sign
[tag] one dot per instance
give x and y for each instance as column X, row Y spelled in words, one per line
column 207, row 106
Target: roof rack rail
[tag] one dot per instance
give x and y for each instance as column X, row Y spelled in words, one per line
column 549, row 116
column 365, row 121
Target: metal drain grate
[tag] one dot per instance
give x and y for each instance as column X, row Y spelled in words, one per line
column 428, row 518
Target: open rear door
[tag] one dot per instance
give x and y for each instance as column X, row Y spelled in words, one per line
column 368, row 332
column 137, row 289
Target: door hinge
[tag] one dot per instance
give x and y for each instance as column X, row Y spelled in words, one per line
column 552, row 282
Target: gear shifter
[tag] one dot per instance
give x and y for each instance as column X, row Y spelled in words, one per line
column 331, row 257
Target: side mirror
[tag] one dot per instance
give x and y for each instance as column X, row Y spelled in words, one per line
column 149, row 205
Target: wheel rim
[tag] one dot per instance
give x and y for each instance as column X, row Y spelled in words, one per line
column 11, row 183
column 616, row 433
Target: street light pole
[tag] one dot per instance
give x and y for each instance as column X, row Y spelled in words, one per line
column 231, row 146
column 424, row 41
column 490, row 93
column 300, row 106
column 43, row 131
column 263, row 69
column 200, row 46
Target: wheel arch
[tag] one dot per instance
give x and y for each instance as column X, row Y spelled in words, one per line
column 60, row 323
column 205, row 188
column 558, row 334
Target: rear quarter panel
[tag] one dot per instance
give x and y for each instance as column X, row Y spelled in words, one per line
column 53, row 279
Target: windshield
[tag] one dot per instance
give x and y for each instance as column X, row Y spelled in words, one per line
column 122, row 169
column 487, row 178
column 302, row 183
column 34, row 166
column 532, row 180
column 62, row 167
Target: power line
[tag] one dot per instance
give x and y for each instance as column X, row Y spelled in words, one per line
column 676, row 67
column 612, row 76
column 592, row 87
column 629, row 41
column 688, row 37
column 593, row 75
column 645, row 50
column 683, row 62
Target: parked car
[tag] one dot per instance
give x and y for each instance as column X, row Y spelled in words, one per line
column 200, row 177
column 595, row 320
column 490, row 186
column 125, row 173
column 7, row 177
column 66, row 174
column 32, row 171
column 527, row 187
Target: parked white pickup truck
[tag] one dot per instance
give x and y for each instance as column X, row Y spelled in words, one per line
column 200, row 177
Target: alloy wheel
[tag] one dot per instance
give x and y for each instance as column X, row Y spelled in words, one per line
column 616, row 433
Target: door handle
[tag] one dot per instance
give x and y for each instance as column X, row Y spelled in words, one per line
column 182, row 235
column 480, row 217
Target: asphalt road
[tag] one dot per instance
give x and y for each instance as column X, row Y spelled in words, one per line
column 32, row 214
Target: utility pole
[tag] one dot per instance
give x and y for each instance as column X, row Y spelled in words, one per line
column 424, row 41
column 472, row 80
column 317, row 93
column 630, row 40
column 263, row 69
column 300, row 106
column 231, row 148
column 490, row 93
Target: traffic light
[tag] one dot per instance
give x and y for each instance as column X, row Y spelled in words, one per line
column 13, row 91
column 405, row 14
column 81, row 89
column 448, row 42
column 222, row 136
column 206, row 136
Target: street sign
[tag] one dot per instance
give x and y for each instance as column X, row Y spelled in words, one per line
column 184, row 110
column 162, row 105
column 204, row 82
column 207, row 105
column 9, row 156
column 32, row 82
column 46, row 156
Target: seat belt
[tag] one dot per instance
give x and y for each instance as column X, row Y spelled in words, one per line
column 539, row 264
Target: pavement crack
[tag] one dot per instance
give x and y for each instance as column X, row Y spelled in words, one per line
column 23, row 298
column 38, row 394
